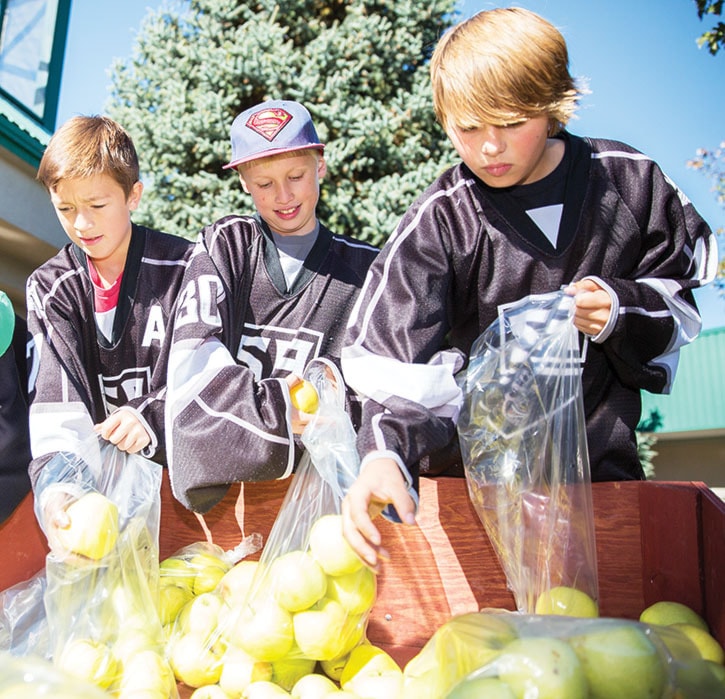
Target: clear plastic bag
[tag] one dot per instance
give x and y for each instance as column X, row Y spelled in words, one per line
column 523, row 440
column 539, row 657
column 307, row 599
column 100, row 509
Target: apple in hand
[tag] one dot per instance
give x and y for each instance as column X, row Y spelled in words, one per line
column 92, row 527
column 304, row 397
column 566, row 601
column 330, row 548
column 619, row 660
column 297, row 580
column 543, row 667
column 318, row 630
column 90, row 661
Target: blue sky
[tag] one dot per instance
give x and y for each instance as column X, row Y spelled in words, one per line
column 651, row 86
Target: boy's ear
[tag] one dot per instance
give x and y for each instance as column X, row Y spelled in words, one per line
column 321, row 167
column 134, row 197
column 244, row 184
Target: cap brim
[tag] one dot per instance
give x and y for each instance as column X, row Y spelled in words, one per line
column 271, row 152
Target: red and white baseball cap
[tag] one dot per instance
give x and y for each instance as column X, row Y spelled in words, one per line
column 270, row 128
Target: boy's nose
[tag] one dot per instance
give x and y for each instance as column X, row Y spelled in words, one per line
column 82, row 222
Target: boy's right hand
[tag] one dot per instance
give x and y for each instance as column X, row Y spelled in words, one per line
column 379, row 484
column 125, row 430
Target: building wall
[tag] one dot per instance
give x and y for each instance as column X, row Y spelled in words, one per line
column 695, row 458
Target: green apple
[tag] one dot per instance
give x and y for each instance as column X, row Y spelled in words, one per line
column 172, row 599
column 333, row 668
column 239, row 669
column 264, row 630
column 386, row 685
column 313, row 686
column 318, row 631
column 461, row 645
column 209, row 691
column 619, row 660
column 354, row 591
column 545, row 668
column 287, row 671
column 353, row 633
column 263, row 689
column 200, row 615
column 297, row 580
column 566, row 601
column 700, row 679
column 368, row 661
column 147, row 671
column 707, row 644
column 237, row 582
column 90, row 661
column 178, row 571
column 193, row 661
column 665, row 613
column 330, row 547
column 92, row 529
column 476, row 687
column 208, row 569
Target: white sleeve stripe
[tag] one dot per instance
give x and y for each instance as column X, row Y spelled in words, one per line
column 395, row 242
column 620, row 154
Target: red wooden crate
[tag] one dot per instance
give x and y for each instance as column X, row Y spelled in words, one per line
column 655, row 541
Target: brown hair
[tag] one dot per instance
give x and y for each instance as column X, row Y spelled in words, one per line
column 500, row 67
column 86, row 146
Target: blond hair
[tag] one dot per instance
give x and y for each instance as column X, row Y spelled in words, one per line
column 500, row 67
column 86, row 146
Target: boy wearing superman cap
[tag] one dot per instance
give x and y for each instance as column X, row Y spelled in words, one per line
column 264, row 295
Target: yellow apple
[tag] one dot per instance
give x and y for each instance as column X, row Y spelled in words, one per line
column 313, row 686
column 304, row 397
column 543, row 667
column 209, row 569
column 263, row 690
column 318, row 631
column 241, row 669
column 566, row 601
column 371, row 672
column 193, row 661
column 209, row 691
column 353, row 633
column 665, row 613
column 297, row 580
column 476, row 687
column 330, row 548
column 264, row 630
column 287, row 671
column 148, row 671
column 354, row 591
column 200, row 615
column 707, row 644
column 333, row 668
column 237, row 582
column 90, row 661
column 619, row 660
column 92, row 529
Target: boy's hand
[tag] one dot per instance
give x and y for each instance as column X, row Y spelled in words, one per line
column 124, row 430
column 380, row 484
column 593, row 306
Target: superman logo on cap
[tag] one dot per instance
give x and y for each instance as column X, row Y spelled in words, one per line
column 269, row 122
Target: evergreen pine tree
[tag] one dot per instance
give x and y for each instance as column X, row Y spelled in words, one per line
column 359, row 66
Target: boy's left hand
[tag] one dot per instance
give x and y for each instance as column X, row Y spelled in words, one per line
column 124, row 429
column 593, row 306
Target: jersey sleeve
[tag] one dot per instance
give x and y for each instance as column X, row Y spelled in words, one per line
column 655, row 312
column 222, row 424
column 394, row 354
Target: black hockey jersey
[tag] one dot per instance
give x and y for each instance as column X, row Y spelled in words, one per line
column 239, row 332
column 456, row 256
column 77, row 376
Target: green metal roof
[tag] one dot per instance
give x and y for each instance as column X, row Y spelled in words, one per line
column 697, row 401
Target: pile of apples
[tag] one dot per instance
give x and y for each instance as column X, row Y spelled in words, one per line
column 669, row 652
column 293, row 626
